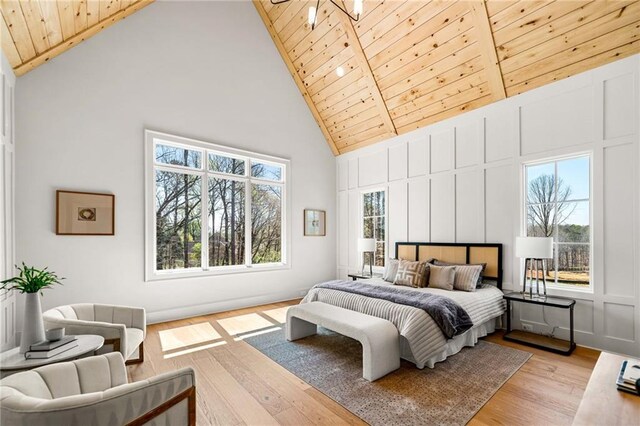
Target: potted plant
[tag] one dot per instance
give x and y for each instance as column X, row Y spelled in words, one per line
column 31, row 281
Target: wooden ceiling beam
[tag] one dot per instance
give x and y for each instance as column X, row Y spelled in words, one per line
column 292, row 70
column 365, row 67
column 78, row 38
column 487, row 47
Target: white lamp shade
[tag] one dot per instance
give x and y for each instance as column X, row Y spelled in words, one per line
column 366, row 245
column 534, row 247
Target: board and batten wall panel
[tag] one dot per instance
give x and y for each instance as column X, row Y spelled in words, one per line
column 8, row 300
column 418, row 201
column 442, row 151
column 464, row 183
column 442, row 212
column 398, row 162
column 468, row 145
column 469, row 217
column 397, row 207
column 619, row 119
column 564, row 120
column 418, row 157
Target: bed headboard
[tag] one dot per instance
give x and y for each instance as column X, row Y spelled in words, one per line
column 491, row 254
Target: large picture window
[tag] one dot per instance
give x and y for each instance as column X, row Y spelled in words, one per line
column 373, row 222
column 212, row 209
column 558, row 206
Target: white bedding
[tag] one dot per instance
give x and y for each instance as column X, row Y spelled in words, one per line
column 422, row 340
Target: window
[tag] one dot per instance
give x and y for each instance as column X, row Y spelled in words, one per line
column 373, row 222
column 212, row 209
column 558, row 206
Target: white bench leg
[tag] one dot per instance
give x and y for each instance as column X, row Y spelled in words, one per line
column 298, row 328
column 378, row 360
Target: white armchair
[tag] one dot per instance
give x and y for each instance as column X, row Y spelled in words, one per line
column 94, row 391
column 123, row 328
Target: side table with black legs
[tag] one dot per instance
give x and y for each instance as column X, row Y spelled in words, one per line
column 537, row 340
column 355, row 277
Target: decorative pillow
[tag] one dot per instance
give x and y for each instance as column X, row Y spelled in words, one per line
column 442, row 277
column 412, row 274
column 467, row 277
column 479, row 281
column 390, row 270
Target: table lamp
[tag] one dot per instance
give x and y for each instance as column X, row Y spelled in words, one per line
column 367, row 246
column 535, row 251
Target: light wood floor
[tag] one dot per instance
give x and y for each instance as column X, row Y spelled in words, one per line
column 236, row 384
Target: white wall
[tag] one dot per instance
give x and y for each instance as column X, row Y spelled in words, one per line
column 7, row 240
column 206, row 70
column 459, row 181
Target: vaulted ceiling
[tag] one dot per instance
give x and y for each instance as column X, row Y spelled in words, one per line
column 412, row 63
column 34, row 31
column 407, row 63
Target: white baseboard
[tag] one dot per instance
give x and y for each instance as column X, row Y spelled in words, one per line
column 225, row 305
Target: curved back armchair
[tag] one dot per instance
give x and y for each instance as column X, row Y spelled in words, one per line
column 95, row 391
column 123, row 327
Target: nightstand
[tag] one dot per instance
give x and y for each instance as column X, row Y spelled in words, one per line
column 537, row 340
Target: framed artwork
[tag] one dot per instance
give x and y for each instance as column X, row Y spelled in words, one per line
column 84, row 213
column 315, row 223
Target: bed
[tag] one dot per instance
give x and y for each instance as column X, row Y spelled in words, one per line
column 421, row 340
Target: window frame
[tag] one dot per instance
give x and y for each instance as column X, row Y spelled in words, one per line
column 151, row 138
column 554, row 285
column 376, row 269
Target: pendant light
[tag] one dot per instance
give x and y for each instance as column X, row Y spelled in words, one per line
column 312, row 16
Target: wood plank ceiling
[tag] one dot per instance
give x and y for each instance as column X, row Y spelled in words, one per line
column 407, row 63
column 34, row 31
column 412, row 63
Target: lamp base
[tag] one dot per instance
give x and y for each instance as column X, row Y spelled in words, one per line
column 537, row 265
column 364, row 262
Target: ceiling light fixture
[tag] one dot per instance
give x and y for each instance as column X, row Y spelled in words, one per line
column 340, row 71
column 312, row 17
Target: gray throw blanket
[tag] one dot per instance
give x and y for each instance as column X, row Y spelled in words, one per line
column 447, row 314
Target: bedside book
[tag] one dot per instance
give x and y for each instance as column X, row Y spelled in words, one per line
column 51, row 353
column 47, row 345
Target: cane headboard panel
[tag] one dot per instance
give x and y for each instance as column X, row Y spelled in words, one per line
column 491, row 254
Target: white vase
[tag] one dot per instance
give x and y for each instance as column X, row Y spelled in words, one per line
column 32, row 326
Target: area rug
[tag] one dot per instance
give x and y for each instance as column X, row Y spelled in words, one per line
column 450, row 394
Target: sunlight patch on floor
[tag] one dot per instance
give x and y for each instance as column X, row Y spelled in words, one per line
column 188, row 335
column 195, row 349
column 257, row 333
column 244, row 324
column 278, row 314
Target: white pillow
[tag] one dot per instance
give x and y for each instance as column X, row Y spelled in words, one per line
column 390, row 270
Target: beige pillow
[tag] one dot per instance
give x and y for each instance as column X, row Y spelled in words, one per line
column 484, row 265
column 467, row 277
column 390, row 270
column 411, row 274
column 442, row 277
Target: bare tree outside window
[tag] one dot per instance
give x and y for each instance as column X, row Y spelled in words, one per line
column 231, row 194
column 557, row 205
column 178, row 227
column 373, row 226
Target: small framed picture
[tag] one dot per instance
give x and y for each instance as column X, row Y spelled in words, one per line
column 315, row 223
column 84, row 213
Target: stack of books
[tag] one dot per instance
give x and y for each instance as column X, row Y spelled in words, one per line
column 48, row 349
column 629, row 375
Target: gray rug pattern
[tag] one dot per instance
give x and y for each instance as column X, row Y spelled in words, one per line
column 450, row 394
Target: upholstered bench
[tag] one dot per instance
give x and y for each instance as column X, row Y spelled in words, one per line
column 379, row 337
